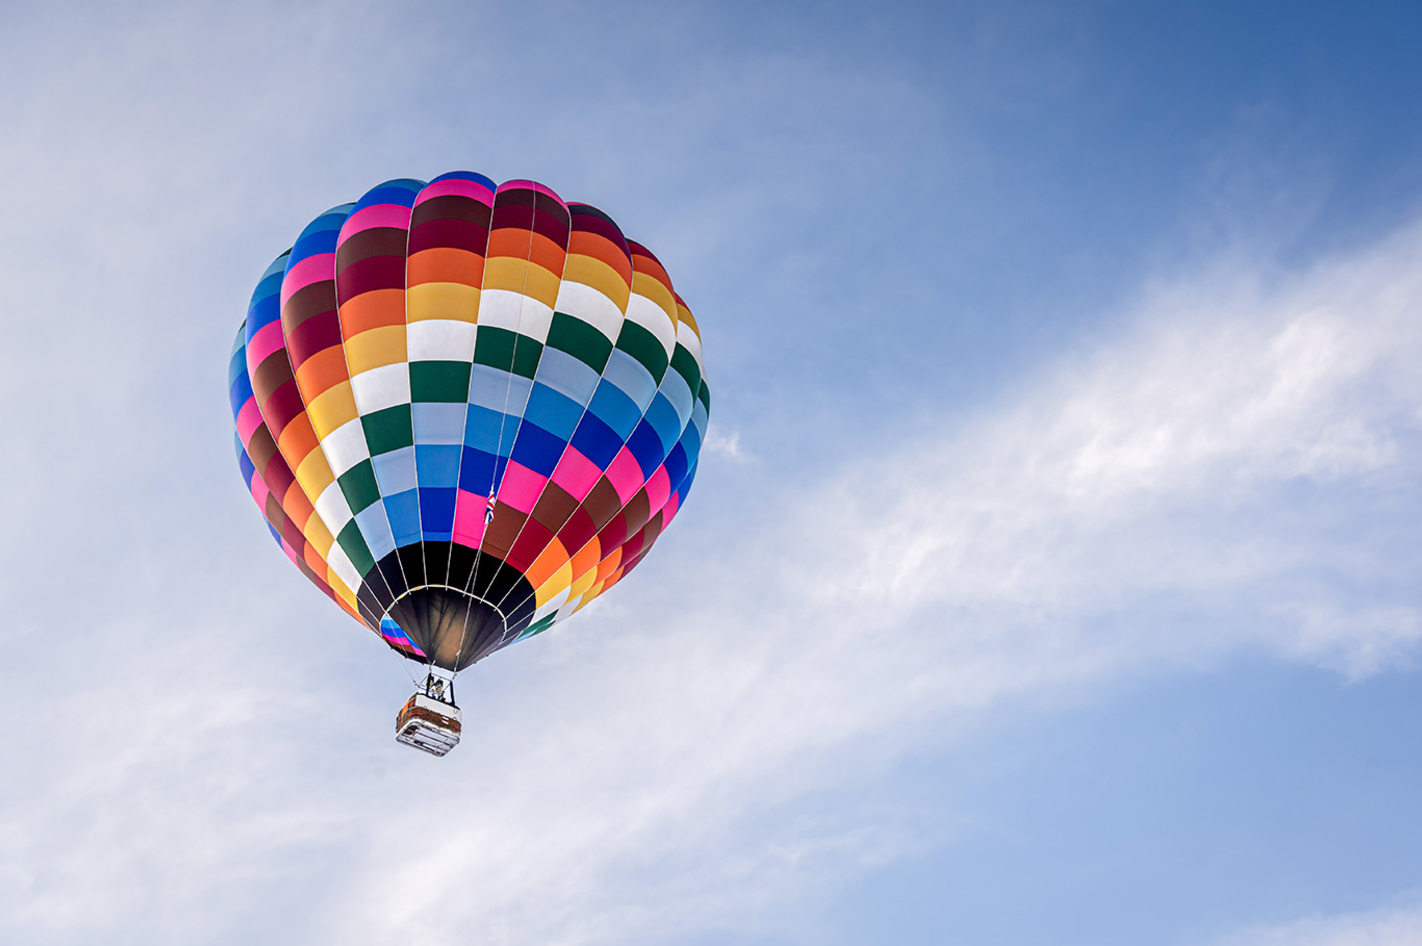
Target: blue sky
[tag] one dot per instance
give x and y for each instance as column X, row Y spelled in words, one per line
column 1051, row 571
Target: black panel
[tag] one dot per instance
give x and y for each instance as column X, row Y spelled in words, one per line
column 412, row 560
column 394, row 575
column 437, row 563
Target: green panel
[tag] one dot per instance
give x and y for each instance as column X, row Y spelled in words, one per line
column 685, row 365
column 643, row 345
column 704, row 395
column 355, row 548
column 508, row 351
column 439, row 381
column 539, row 626
column 358, row 484
column 390, row 429
column 579, row 339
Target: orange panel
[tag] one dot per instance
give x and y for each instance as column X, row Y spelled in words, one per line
column 444, row 264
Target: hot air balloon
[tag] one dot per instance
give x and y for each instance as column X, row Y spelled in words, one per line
column 466, row 410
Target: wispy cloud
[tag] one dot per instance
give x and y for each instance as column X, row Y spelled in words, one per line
column 697, row 753
column 1396, row 927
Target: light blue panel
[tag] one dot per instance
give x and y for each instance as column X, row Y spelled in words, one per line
column 437, row 422
column 681, row 397
column 567, row 375
column 375, row 529
column 498, row 390
column 395, row 471
column 628, row 374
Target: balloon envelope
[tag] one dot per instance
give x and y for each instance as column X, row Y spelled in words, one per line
column 466, row 410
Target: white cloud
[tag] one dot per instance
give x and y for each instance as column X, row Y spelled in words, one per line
column 1396, row 927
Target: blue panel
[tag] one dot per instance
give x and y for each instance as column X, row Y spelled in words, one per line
column 489, row 430
column 466, row 176
column 615, row 409
column 646, row 448
column 244, row 462
column 538, row 449
column 320, row 235
column 677, row 465
column 401, row 191
column 554, row 412
column 404, row 510
column 479, row 469
column 437, row 513
column 597, row 441
column 438, row 464
column 664, row 420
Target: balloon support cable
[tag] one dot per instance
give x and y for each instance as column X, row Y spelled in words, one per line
column 429, row 720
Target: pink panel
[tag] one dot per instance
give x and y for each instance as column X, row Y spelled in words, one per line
column 249, row 418
column 290, row 552
column 669, row 510
column 469, row 518
column 267, row 340
column 576, row 473
column 625, row 475
column 658, row 489
column 376, row 215
column 521, row 487
column 260, row 492
column 456, row 187
column 530, row 185
column 312, row 269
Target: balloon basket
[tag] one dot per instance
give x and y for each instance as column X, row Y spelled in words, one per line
column 428, row 724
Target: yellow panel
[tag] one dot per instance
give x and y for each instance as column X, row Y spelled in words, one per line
column 314, row 474
column 442, row 300
column 516, row 275
column 599, row 275
column 646, row 285
column 583, row 582
column 335, row 406
column 555, row 585
column 318, row 535
column 376, row 348
column 684, row 315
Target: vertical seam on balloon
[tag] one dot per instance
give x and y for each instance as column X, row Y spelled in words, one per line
column 587, row 405
column 341, row 324
column 503, row 415
column 473, row 346
column 504, row 636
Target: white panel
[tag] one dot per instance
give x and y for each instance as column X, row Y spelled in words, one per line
column 653, row 318
column 345, row 446
column 381, row 387
column 440, row 340
column 592, row 307
column 333, row 509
